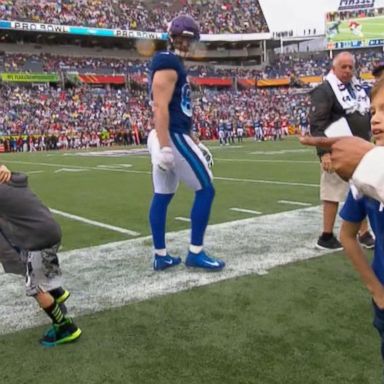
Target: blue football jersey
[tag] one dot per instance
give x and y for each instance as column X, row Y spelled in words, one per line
column 180, row 107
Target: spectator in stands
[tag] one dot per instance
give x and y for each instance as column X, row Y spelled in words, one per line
column 378, row 70
column 241, row 16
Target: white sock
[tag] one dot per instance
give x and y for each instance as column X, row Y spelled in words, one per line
column 195, row 248
column 161, row 252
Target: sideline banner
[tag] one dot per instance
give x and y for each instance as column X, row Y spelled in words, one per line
column 30, row 77
column 211, row 81
column 84, row 31
column 102, row 79
column 273, row 82
column 123, row 33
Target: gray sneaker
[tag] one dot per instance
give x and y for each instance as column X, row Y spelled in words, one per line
column 367, row 240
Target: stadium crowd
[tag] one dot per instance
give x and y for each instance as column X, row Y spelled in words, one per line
column 315, row 64
column 39, row 118
column 53, row 117
column 225, row 16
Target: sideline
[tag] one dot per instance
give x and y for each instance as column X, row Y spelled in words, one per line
column 115, row 274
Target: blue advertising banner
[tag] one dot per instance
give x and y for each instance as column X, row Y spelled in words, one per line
column 85, row 31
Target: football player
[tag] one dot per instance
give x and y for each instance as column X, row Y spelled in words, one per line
column 174, row 152
column 356, row 28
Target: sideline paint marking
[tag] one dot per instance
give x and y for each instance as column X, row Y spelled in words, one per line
column 245, row 211
column 280, row 152
column 113, row 275
column 267, row 161
column 225, row 146
column 95, row 223
column 186, row 219
column 115, row 166
column 149, row 173
column 76, row 168
column 294, row 203
column 70, row 170
column 33, row 172
column 267, row 182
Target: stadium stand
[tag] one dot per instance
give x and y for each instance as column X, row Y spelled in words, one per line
column 315, row 64
column 96, row 97
column 122, row 116
column 231, row 16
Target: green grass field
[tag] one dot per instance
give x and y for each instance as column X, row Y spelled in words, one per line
column 372, row 28
column 303, row 322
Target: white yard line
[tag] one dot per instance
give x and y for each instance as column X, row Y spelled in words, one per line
column 266, row 161
column 116, row 274
column 186, row 219
column 266, row 182
column 246, row 211
column 73, row 170
column 280, row 152
column 95, row 223
column 294, row 203
column 34, row 172
column 68, row 168
column 148, row 173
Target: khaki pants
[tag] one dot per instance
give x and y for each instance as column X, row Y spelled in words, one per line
column 332, row 187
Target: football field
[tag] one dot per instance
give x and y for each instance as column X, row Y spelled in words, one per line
column 281, row 311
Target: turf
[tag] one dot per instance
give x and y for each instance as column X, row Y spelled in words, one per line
column 304, row 323
column 308, row 322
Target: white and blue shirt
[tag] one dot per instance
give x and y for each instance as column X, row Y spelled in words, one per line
column 355, row 211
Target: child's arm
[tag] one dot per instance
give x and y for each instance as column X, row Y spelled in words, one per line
column 348, row 237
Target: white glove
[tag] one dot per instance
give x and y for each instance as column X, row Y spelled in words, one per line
column 166, row 159
column 207, row 154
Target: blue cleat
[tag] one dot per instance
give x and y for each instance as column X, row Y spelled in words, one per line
column 202, row 260
column 163, row 262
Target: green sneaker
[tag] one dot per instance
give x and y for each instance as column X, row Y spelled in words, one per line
column 58, row 334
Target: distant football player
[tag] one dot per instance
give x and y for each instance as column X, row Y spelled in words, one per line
column 304, row 124
column 222, row 140
column 174, row 153
column 29, row 240
column 333, row 28
column 240, row 130
column 356, row 28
